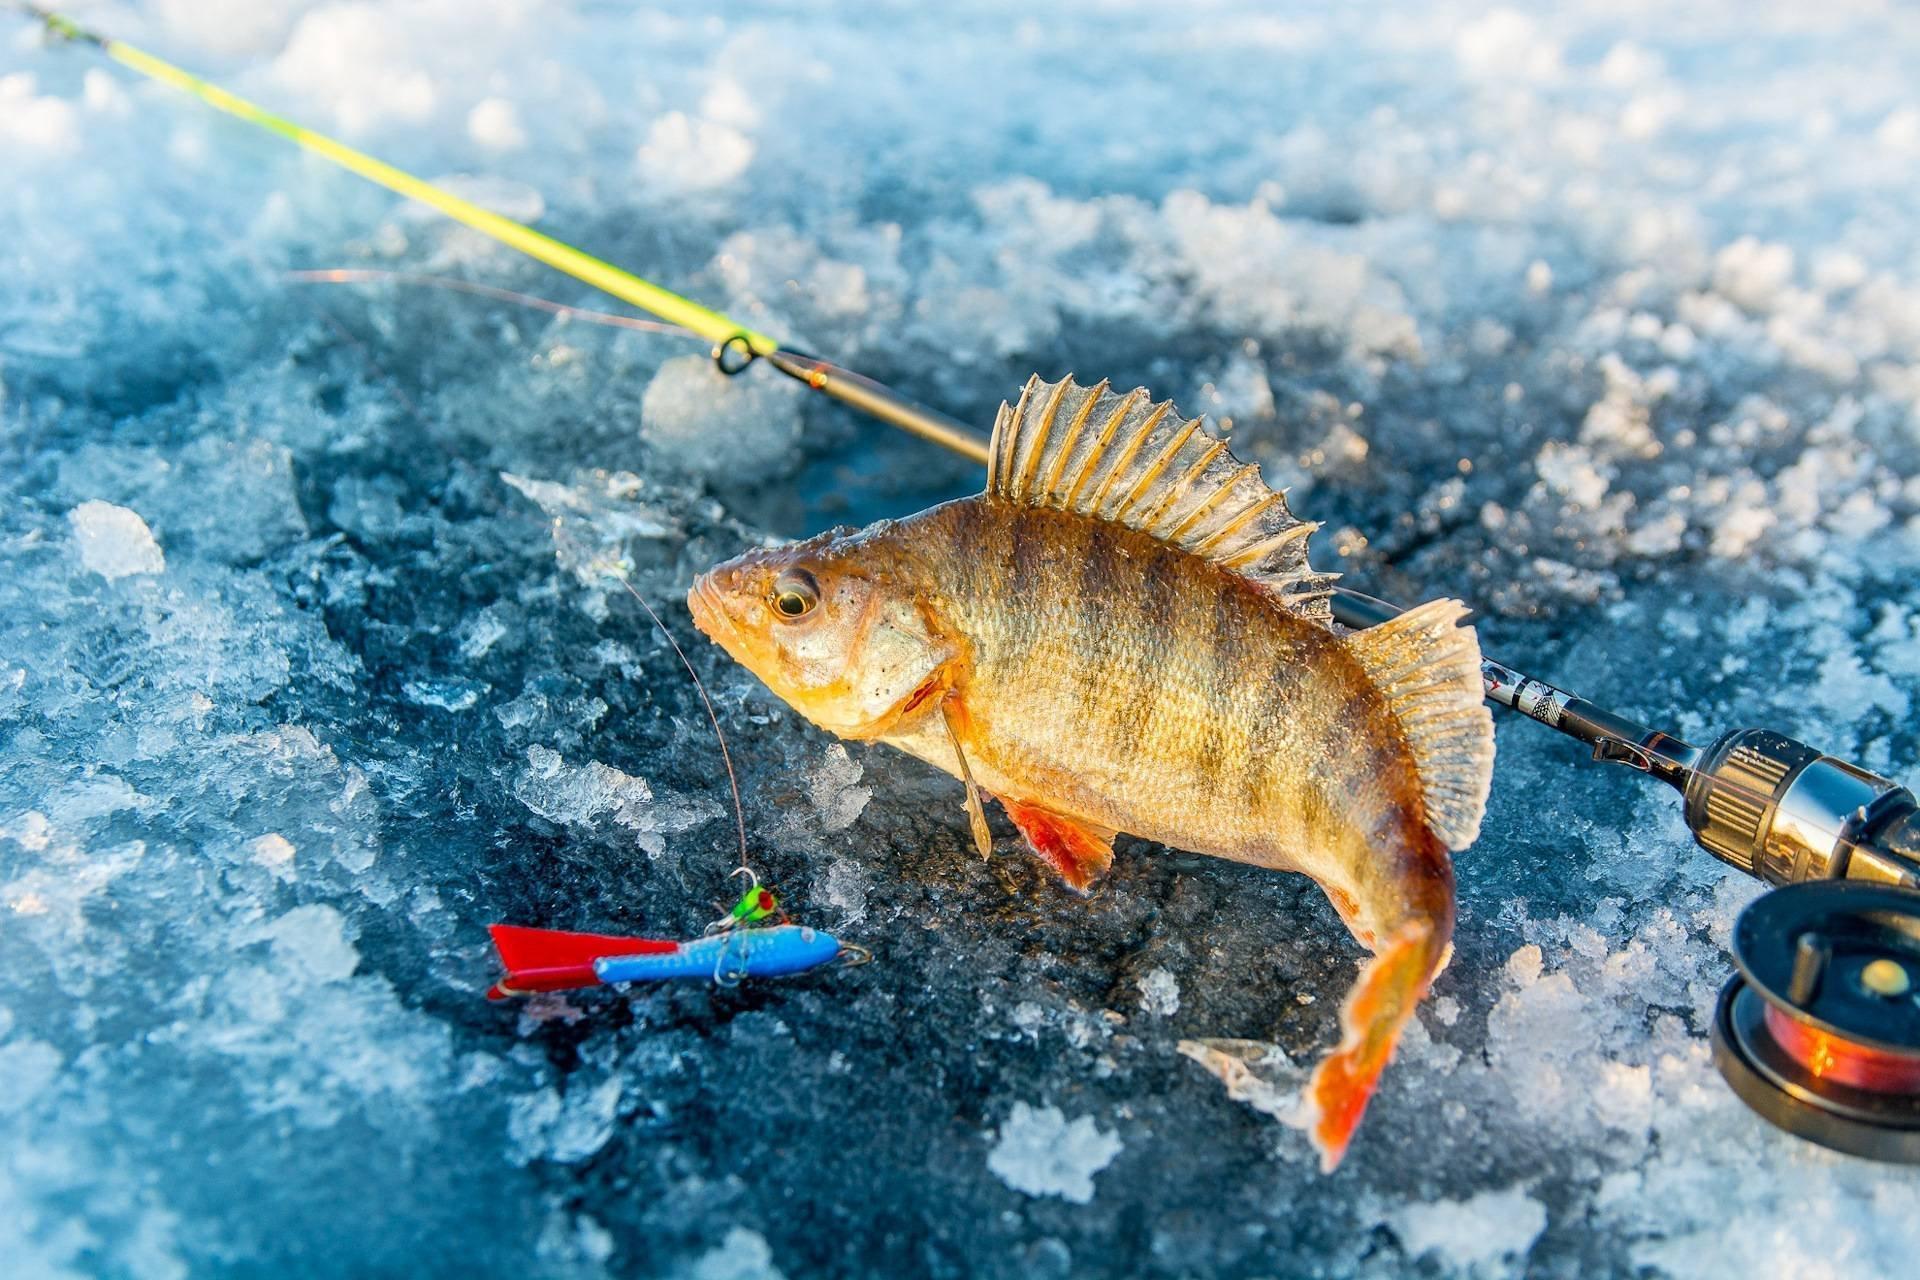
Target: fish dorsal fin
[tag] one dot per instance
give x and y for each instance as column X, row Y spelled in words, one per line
column 1125, row 459
column 1428, row 669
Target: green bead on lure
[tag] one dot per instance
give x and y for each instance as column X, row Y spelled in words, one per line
column 756, row 904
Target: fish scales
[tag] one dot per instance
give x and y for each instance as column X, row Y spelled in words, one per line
column 1151, row 691
column 1123, row 634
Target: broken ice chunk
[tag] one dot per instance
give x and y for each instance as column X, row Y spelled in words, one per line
column 839, row 798
column 700, row 420
column 450, row 693
column 481, row 632
column 835, row 790
column 566, row 1129
column 1041, row 1153
column 684, row 154
column 1159, row 993
column 579, row 795
column 313, row 942
column 494, row 123
column 846, row 888
column 595, row 518
column 113, row 541
column 274, row 852
column 743, row 1255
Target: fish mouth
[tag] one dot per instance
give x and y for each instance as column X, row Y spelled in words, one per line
column 709, row 611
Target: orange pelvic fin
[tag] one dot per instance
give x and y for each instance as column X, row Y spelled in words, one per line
column 1080, row 853
column 1390, row 985
column 953, row 716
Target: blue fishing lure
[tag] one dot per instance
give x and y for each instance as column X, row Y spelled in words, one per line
column 552, row 960
column 728, row 957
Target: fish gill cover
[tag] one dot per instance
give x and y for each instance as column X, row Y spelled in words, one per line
column 1605, row 320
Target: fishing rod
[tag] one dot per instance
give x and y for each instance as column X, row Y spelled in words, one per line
column 735, row 345
column 1819, row 1031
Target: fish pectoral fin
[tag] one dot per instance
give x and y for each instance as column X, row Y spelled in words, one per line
column 976, row 811
column 1079, row 852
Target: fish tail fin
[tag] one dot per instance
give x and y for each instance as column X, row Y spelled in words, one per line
column 1391, row 984
column 1427, row 667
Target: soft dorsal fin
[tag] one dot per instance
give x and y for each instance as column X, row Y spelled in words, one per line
column 1128, row 460
column 1428, row 669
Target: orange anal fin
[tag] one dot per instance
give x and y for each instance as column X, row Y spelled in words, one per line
column 1081, row 854
column 1390, row 985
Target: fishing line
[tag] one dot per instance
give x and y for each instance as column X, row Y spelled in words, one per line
column 624, row 285
column 368, row 275
column 733, row 780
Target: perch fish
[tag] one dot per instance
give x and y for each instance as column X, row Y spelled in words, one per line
column 1123, row 634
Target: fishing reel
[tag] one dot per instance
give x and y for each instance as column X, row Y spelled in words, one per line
column 1819, row 1030
column 1784, row 813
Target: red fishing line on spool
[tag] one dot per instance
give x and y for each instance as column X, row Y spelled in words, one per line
column 1830, row 1057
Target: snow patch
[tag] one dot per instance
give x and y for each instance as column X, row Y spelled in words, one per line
column 1039, row 1152
column 685, row 154
column 1474, row 1233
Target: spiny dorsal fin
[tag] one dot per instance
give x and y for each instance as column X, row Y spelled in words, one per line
column 1125, row 459
column 1428, row 669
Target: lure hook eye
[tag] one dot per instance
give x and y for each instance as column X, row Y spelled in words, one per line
column 733, row 355
column 852, row 955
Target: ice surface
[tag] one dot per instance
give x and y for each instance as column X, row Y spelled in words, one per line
column 315, row 658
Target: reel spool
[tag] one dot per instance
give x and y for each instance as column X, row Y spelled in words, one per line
column 1819, row 1031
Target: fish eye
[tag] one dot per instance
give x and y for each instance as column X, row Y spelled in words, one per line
column 795, row 594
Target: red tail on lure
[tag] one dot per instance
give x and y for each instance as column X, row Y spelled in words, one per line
column 555, row 960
